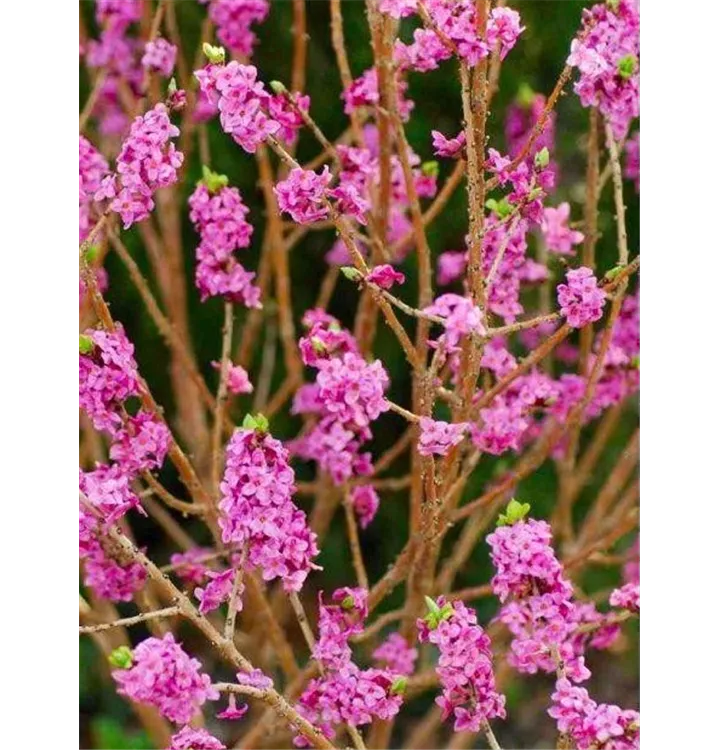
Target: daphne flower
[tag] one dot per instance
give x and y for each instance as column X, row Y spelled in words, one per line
column 365, row 501
column 159, row 56
column 437, row 438
column 581, row 299
column 385, row 276
column 448, row 147
column 559, row 237
column 189, row 738
column 303, row 195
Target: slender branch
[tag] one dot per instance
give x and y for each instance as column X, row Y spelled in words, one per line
column 126, row 621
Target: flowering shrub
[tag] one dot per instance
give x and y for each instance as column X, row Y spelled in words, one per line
column 285, row 514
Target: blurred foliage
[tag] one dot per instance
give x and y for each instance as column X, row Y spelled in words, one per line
column 537, row 60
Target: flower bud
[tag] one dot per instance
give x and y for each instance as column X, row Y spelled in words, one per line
column 351, row 273
column 278, row 87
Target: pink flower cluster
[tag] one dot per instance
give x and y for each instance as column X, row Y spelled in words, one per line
column 525, row 561
column 457, row 20
column 233, row 20
column 163, row 675
column 557, row 234
column 541, row 614
column 142, row 444
column 338, row 621
column 118, row 53
column 364, row 92
column 303, row 195
column 465, row 668
column 189, row 738
column 248, row 112
column 93, row 169
column 345, row 693
column 437, row 438
column 159, row 57
column 347, row 396
column 581, row 299
column 607, row 58
column 365, row 501
column 591, row 724
column 147, row 161
column 396, row 655
column 108, row 377
column 256, row 509
column 627, row 597
column 220, row 218
column 108, row 491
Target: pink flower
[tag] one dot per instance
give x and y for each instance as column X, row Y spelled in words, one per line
column 163, row 675
column 110, row 579
column 159, row 56
column 437, row 438
column 218, row 590
column 385, row 276
column 285, row 113
column 504, row 28
column 559, row 237
column 233, row 712
column 581, row 299
column 108, row 489
column 93, row 169
column 398, row 8
column 189, row 738
column 349, row 201
column 303, row 195
column 338, row 621
column 502, row 425
column 366, row 503
column 237, row 378
column 448, row 147
column 461, row 317
column 627, row 597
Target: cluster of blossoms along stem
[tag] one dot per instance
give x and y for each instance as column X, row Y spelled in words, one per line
column 592, row 725
column 456, row 21
column 256, row 508
column 163, row 675
column 159, row 57
column 347, row 396
column 93, row 168
column 437, row 438
column 108, row 491
column 189, row 738
column 233, row 20
column 147, row 162
column 360, row 177
column 220, row 218
column 607, row 56
column 118, row 53
column 247, row 111
column 465, row 666
column 505, row 265
column 580, row 298
column 108, row 378
column 345, row 693
column 538, row 606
